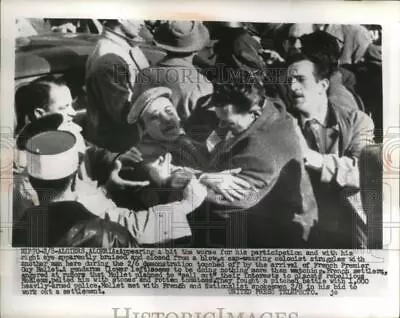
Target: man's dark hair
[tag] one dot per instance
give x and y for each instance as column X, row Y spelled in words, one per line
column 32, row 96
column 283, row 30
column 279, row 35
column 50, row 187
column 323, row 67
column 152, row 194
column 141, row 172
column 321, row 43
column 243, row 89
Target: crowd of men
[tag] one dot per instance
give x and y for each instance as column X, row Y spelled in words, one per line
column 236, row 138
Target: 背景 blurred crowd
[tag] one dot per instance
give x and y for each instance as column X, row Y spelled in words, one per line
column 243, row 135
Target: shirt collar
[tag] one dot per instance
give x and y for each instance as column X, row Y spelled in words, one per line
column 118, row 39
column 330, row 121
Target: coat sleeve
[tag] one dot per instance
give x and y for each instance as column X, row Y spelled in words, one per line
column 110, row 82
column 361, row 39
column 162, row 222
column 198, row 96
column 260, row 168
column 99, row 162
column 344, row 169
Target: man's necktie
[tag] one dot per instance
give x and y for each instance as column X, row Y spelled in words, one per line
column 309, row 134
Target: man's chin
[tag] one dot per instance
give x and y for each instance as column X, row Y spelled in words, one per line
column 171, row 136
column 171, row 131
column 301, row 107
column 298, row 102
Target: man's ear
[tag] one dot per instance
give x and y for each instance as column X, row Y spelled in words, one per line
column 285, row 45
column 39, row 112
column 325, row 84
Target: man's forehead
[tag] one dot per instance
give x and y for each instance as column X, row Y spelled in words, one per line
column 225, row 110
column 60, row 91
column 301, row 68
column 158, row 104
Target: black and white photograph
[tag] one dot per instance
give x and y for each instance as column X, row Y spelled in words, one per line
column 197, row 134
column 199, row 159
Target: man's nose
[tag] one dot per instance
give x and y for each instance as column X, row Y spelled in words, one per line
column 168, row 157
column 169, row 117
column 165, row 118
column 71, row 111
column 293, row 85
column 297, row 44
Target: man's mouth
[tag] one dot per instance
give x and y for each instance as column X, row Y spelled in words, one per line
column 170, row 129
column 297, row 97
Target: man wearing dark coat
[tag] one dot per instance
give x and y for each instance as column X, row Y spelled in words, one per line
column 280, row 209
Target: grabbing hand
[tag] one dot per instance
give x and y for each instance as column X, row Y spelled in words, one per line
column 179, row 179
column 227, row 184
column 130, row 157
column 270, row 56
column 115, row 182
column 312, row 158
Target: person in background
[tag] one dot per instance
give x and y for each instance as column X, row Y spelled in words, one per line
column 283, row 40
column 353, row 40
column 332, row 138
column 369, row 86
column 110, row 79
column 342, row 82
column 295, row 38
column 43, row 96
column 237, row 49
column 289, row 36
column 182, row 40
